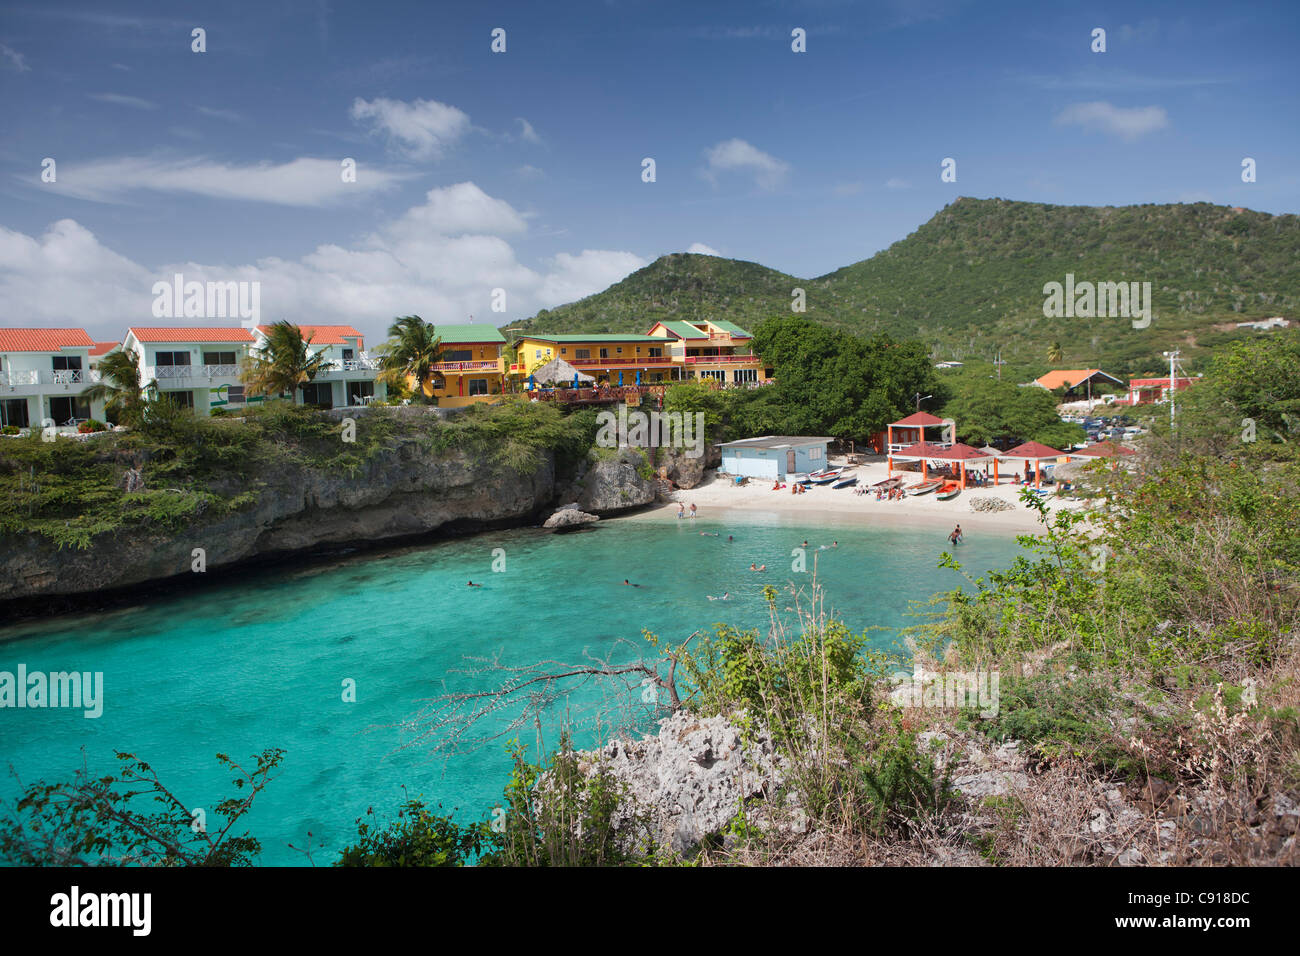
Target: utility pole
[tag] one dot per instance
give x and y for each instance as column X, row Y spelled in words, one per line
column 920, row 398
column 1173, row 357
column 998, row 363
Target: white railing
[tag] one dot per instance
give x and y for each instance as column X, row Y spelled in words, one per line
column 20, row 377
column 172, row 373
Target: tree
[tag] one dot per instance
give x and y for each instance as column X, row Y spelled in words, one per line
column 1055, row 356
column 120, row 387
column 96, row 821
column 283, row 363
column 412, row 349
column 988, row 411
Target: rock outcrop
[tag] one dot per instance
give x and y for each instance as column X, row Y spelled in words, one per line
column 568, row 517
column 684, row 471
column 611, row 480
column 689, row 780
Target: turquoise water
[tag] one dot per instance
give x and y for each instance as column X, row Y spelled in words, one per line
column 260, row 662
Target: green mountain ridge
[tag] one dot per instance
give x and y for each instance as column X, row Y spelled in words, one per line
column 969, row 283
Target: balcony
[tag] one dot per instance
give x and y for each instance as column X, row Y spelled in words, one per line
column 722, row 360
column 33, row 380
column 179, row 375
column 661, row 361
column 485, row 365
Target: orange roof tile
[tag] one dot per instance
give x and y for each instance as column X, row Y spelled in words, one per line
column 153, row 333
column 1069, row 377
column 325, row 334
column 101, row 348
column 43, row 340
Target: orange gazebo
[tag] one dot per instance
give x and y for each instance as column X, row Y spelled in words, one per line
column 1037, row 453
column 963, row 455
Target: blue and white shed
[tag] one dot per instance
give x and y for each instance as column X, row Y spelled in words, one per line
column 774, row 456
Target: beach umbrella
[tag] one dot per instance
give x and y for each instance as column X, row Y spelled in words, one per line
column 620, row 379
column 575, row 379
column 638, row 376
column 532, row 383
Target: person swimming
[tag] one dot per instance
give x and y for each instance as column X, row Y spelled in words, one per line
column 726, row 596
column 630, row 584
column 709, row 534
column 473, row 585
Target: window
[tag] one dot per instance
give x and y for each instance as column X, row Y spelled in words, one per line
column 604, row 353
column 458, row 355
column 478, row 386
column 349, row 355
column 183, row 399
column 716, row 375
column 318, row 393
column 745, row 375
column 13, row 411
column 215, row 358
column 235, row 395
column 66, row 410
column 814, row 454
column 537, row 353
column 655, row 352
column 172, row 358
column 582, row 353
column 67, row 363
column 619, row 350
column 359, row 390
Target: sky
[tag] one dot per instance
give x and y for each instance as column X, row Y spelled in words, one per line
column 493, row 183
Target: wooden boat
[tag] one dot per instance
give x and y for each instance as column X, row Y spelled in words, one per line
column 950, row 489
column 826, row 477
column 888, row 483
column 812, row 477
column 845, row 483
column 923, row 487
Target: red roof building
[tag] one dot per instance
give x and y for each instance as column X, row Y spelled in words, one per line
column 43, row 340
column 154, row 333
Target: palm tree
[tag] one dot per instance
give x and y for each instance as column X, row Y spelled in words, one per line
column 1055, row 355
column 120, row 387
column 412, row 349
column 282, row 364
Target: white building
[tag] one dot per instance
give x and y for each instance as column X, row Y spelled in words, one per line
column 350, row 376
column 195, row 367
column 43, row 375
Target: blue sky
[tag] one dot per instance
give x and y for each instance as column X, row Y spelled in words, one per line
column 522, row 170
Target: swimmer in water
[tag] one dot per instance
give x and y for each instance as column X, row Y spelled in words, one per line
column 630, row 584
column 473, row 585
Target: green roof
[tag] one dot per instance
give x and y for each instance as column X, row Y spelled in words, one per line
column 731, row 327
column 653, row 339
column 685, row 330
column 468, row 333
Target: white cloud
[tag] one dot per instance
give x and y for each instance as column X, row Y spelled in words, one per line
column 422, row 129
column 700, row 248
column 301, row 182
column 456, row 210
column 529, row 172
column 526, row 131
column 13, row 59
column 1126, row 123
column 440, row 260
column 895, row 183
column 230, row 115
column 118, row 99
column 738, row 155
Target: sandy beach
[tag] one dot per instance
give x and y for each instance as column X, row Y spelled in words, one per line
column 822, row 505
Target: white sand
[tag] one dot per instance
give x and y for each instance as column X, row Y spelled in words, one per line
column 824, row 505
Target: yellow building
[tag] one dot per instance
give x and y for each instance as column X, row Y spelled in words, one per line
column 670, row 352
column 712, row 349
column 472, row 369
column 610, row 359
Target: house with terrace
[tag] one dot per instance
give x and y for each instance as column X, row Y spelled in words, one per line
column 44, row 374
column 350, row 375
column 712, row 349
column 471, row 368
column 197, row 368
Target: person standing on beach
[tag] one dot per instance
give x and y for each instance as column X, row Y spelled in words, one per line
column 681, row 510
column 692, row 509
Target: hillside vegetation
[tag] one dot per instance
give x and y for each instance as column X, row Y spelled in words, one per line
column 970, row 282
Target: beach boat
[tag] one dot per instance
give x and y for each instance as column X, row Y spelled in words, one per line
column 845, row 483
column 811, row 477
column 923, row 487
column 888, row 483
column 949, row 490
column 826, row 477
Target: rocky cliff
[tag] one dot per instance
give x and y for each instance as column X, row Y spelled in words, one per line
column 405, row 491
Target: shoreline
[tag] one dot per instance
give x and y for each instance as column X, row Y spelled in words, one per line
column 825, row 506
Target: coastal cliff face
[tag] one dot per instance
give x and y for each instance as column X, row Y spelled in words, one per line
column 404, row 491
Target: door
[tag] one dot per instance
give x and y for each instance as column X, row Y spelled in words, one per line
column 789, row 462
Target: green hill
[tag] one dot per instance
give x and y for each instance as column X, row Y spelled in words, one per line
column 970, row 282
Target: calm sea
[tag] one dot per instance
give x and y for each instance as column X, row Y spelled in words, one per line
column 263, row 661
